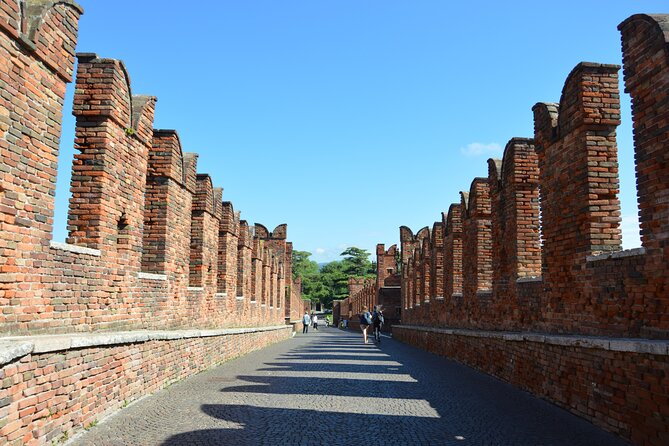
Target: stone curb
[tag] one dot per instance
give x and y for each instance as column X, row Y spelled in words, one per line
column 12, row 348
column 632, row 345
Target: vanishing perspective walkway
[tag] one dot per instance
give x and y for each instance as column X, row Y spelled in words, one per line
column 328, row 388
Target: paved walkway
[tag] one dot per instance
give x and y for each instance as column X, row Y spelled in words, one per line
column 328, row 388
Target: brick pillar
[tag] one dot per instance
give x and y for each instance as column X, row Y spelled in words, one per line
column 244, row 260
column 33, row 79
column 386, row 263
column 266, row 275
column 37, row 45
column 407, row 244
column 426, row 269
column 274, row 281
column 576, row 144
column 113, row 135
column 514, row 191
column 228, row 241
column 453, row 251
column 256, row 270
column 645, row 42
column 281, row 285
column 204, row 234
column 167, row 216
column 288, row 273
column 437, row 264
column 476, row 239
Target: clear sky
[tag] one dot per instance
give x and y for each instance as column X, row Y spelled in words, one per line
column 346, row 119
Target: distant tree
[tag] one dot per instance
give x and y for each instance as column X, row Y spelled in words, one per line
column 356, row 262
column 330, row 282
column 302, row 266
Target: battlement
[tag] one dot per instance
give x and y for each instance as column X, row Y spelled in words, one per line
column 144, row 226
column 533, row 246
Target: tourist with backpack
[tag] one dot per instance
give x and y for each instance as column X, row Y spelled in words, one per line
column 365, row 322
column 377, row 321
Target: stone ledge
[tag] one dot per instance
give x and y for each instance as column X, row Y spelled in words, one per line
column 15, row 347
column 631, row 345
column 75, row 249
column 152, row 276
column 617, row 254
column 529, row 279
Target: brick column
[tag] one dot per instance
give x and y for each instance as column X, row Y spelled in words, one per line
column 576, row 144
column 167, row 216
column 113, row 135
column 645, row 41
column 453, row 251
column 514, row 191
column 476, row 239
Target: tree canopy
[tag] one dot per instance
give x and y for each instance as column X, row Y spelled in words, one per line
column 330, row 282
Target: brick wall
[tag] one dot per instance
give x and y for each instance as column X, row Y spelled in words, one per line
column 548, row 301
column 152, row 247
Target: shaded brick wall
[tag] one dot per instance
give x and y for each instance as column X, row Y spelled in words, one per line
column 541, row 253
column 151, row 245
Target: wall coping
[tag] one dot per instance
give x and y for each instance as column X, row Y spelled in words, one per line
column 633, row 345
column 14, row 347
column 617, row 255
column 75, row 249
column 151, row 276
column 529, row 279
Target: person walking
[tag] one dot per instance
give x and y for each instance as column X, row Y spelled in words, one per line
column 314, row 320
column 365, row 322
column 306, row 320
column 377, row 322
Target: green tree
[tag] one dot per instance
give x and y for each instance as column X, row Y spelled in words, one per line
column 331, row 281
column 302, row 266
column 356, row 262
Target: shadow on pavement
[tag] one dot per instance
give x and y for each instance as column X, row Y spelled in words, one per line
column 334, row 390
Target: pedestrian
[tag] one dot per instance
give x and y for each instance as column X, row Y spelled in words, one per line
column 365, row 322
column 314, row 320
column 306, row 320
column 377, row 321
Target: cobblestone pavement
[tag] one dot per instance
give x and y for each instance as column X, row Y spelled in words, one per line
column 328, row 388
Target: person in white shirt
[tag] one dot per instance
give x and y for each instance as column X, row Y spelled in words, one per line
column 314, row 320
column 306, row 320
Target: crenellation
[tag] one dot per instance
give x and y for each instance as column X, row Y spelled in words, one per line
column 151, row 245
column 539, row 244
column 476, row 239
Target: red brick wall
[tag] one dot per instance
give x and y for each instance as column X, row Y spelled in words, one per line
column 574, row 279
column 453, row 251
column 630, row 407
column 152, row 245
column 73, row 388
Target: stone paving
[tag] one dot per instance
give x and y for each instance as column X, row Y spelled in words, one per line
column 328, row 388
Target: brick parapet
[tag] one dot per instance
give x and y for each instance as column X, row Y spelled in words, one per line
column 580, row 216
column 453, row 251
column 104, row 373
column 476, row 240
column 559, row 282
column 128, row 263
column 544, row 365
column 645, row 47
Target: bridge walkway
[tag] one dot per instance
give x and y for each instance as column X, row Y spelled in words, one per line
column 329, row 388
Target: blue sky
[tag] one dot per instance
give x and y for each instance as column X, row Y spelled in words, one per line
column 346, row 119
